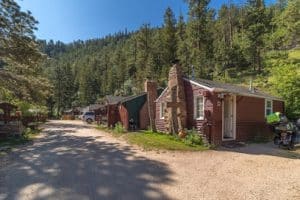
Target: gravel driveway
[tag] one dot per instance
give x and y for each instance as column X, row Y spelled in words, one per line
column 73, row 161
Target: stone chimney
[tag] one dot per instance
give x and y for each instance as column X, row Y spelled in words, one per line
column 176, row 114
column 151, row 89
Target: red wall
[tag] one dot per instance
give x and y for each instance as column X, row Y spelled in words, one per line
column 250, row 118
column 123, row 113
column 144, row 116
column 112, row 115
column 278, row 106
column 251, row 121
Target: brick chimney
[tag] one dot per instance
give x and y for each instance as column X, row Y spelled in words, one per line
column 151, row 89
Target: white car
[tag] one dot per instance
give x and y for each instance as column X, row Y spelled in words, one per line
column 88, row 116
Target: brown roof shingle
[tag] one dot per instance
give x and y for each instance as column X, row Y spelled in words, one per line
column 232, row 88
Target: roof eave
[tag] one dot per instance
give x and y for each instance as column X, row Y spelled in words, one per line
column 161, row 94
column 248, row 95
column 211, row 89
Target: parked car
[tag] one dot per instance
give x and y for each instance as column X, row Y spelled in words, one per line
column 88, row 117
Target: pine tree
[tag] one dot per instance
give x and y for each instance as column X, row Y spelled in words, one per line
column 17, row 40
column 20, row 55
column 183, row 52
column 227, row 49
column 255, row 25
column 286, row 26
column 198, row 35
column 63, row 81
column 144, row 40
column 168, row 37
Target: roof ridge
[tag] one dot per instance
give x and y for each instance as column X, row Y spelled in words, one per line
column 133, row 96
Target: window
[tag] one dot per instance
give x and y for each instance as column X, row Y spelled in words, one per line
column 162, row 110
column 199, row 107
column 268, row 107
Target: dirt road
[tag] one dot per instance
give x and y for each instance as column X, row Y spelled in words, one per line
column 74, row 161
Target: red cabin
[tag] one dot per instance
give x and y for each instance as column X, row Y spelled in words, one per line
column 222, row 112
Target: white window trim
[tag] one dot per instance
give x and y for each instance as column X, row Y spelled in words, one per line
column 266, row 103
column 195, row 108
column 161, row 116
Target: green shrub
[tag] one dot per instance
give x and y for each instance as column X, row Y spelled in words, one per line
column 26, row 131
column 119, row 128
column 193, row 138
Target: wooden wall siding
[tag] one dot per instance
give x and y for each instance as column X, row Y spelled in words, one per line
column 251, row 117
column 250, row 109
column 249, row 130
column 144, row 117
column 123, row 113
column 278, row 106
column 216, row 120
column 112, row 115
column 192, row 91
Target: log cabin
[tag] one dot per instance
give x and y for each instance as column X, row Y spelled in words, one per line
column 221, row 112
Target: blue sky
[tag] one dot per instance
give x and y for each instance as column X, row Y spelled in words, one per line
column 68, row 20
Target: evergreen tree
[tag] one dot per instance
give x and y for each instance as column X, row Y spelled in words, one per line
column 144, row 40
column 168, row 37
column 227, row 49
column 20, row 55
column 183, row 52
column 198, row 35
column 17, row 40
column 255, row 25
column 286, row 26
column 64, row 90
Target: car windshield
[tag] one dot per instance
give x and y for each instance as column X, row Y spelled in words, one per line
column 89, row 113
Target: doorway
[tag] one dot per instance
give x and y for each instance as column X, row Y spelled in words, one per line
column 229, row 117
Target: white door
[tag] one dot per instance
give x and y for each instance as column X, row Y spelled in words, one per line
column 229, row 117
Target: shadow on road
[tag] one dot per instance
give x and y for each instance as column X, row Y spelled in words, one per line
column 265, row 149
column 64, row 166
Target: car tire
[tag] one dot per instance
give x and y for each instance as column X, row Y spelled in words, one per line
column 291, row 146
column 276, row 140
column 89, row 121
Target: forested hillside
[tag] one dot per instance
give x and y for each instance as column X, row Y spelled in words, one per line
column 234, row 44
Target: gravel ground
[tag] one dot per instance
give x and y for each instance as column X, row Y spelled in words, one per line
column 71, row 160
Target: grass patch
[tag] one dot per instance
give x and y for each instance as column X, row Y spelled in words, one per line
column 119, row 128
column 13, row 141
column 151, row 141
column 114, row 132
column 294, row 54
